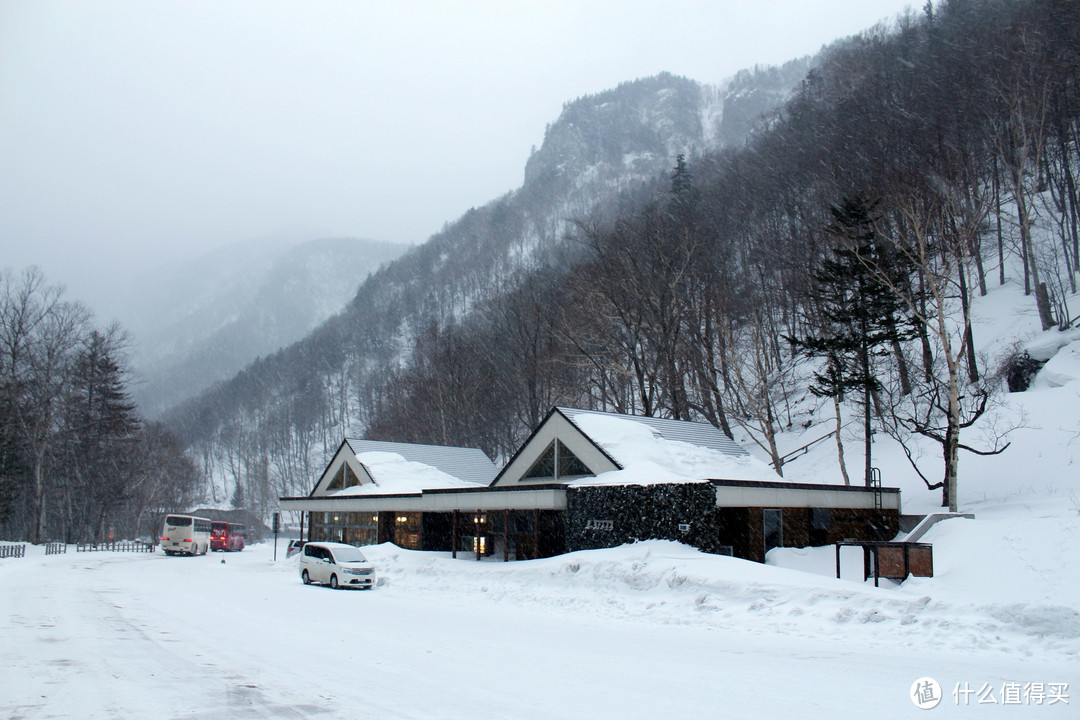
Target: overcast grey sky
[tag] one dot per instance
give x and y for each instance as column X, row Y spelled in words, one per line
column 145, row 131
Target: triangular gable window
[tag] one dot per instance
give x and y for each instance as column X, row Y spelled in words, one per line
column 569, row 465
column 343, row 478
column 544, row 467
column 350, row 477
column 556, row 462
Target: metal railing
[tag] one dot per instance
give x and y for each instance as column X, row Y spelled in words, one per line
column 116, row 546
column 12, row 551
column 805, row 449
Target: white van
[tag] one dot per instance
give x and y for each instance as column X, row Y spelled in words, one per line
column 337, row 565
column 185, row 535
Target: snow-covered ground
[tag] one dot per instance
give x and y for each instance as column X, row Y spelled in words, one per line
column 649, row 630
column 652, row 630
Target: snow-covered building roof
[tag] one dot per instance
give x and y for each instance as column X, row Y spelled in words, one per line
column 468, row 464
column 577, row 447
column 372, row 467
column 697, row 433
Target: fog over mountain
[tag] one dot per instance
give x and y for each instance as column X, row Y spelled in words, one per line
column 199, row 322
column 138, row 133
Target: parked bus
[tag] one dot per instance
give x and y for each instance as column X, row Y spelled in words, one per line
column 227, row 536
column 185, row 535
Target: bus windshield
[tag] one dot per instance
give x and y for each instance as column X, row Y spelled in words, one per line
column 178, row 520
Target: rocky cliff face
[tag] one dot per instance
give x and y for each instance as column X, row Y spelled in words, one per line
column 630, row 131
column 635, row 131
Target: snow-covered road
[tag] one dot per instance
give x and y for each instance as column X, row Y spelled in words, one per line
column 649, row 631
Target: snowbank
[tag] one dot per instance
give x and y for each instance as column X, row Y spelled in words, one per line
column 672, row 584
column 1061, row 369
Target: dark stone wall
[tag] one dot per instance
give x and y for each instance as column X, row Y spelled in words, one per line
column 641, row 512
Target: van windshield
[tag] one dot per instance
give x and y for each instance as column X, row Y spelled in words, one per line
column 349, row 555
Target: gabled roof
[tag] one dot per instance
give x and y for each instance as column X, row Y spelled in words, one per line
column 695, row 433
column 654, row 450
column 470, row 465
column 637, row 450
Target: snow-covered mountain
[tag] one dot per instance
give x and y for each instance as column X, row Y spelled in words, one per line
column 602, row 145
column 200, row 322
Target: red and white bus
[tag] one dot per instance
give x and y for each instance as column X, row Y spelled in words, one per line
column 227, row 536
column 185, row 535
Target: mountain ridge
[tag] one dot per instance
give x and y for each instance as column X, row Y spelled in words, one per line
column 480, row 255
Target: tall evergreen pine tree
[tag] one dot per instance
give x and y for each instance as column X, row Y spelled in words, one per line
column 102, row 424
column 861, row 317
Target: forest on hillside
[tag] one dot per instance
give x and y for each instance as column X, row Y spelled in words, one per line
column 855, row 227
column 915, row 163
column 77, row 461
